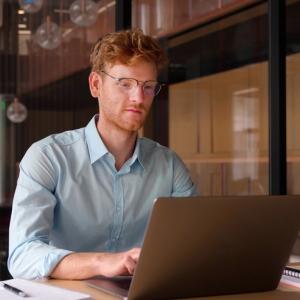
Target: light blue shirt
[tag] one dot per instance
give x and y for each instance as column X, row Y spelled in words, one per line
column 70, row 197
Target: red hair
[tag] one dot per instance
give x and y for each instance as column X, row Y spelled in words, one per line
column 126, row 47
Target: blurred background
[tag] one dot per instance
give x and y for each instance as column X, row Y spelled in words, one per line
column 214, row 111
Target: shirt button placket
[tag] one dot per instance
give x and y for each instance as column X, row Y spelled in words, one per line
column 118, row 213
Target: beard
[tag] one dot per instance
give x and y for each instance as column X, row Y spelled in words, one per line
column 130, row 118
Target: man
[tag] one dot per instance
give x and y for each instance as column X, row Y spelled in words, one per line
column 83, row 197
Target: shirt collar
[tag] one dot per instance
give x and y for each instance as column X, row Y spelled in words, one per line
column 96, row 147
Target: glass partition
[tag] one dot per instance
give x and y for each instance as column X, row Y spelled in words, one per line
column 292, row 98
column 293, row 125
column 218, row 103
column 218, row 125
column 161, row 18
column 9, row 167
column 293, row 105
column 44, row 66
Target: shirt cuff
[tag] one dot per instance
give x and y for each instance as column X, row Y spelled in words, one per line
column 51, row 260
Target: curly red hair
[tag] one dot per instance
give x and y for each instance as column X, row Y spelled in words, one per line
column 126, row 47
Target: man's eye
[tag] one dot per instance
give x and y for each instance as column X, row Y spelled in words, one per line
column 125, row 84
column 149, row 87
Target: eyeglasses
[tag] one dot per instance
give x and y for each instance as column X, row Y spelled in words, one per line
column 150, row 88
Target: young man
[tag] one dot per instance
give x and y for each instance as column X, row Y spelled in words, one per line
column 84, row 196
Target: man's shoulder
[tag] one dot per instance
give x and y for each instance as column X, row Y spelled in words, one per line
column 61, row 139
column 55, row 149
column 153, row 147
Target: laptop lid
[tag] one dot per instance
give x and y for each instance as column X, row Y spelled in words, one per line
column 203, row 246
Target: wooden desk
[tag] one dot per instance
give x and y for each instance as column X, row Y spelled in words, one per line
column 282, row 293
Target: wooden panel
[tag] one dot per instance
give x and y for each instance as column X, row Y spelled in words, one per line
column 293, row 124
column 229, row 111
column 246, row 178
column 207, row 177
column 293, row 104
column 236, row 177
column 258, row 90
column 205, row 115
column 183, row 118
column 293, row 177
column 232, row 113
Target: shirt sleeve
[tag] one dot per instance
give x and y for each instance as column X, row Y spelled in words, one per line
column 183, row 185
column 30, row 254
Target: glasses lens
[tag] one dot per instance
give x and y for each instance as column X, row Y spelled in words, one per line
column 152, row 88
column 127, row 84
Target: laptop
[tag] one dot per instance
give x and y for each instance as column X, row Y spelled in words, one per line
column 204, row 246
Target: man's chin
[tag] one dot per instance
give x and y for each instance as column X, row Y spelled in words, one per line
column 133, row 126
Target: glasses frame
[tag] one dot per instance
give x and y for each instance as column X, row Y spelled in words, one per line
column 118, row 80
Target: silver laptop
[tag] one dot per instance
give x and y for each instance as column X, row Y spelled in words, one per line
column 203, row 246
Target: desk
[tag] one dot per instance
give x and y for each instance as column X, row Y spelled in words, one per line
column 282, row 293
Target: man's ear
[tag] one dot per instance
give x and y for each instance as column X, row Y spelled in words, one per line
column 94, row 83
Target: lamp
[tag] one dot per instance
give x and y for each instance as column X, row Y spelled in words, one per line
column 48, row 35
column 16, row 111
column 31, row 6
column 83, row 12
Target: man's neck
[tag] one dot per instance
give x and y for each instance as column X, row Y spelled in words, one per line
column 120, row 143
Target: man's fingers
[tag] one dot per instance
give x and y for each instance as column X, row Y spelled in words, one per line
column 122, row 263
column 130, row 264
column 135, row 253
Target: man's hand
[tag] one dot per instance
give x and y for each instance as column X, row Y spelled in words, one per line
column 86, row 265
column 114, row 264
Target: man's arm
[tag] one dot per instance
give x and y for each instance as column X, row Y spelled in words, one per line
column 85, row 265
column 31, row 254
column 182, row 183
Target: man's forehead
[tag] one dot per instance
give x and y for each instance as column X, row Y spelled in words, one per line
column 129, row 63
column 140, row 67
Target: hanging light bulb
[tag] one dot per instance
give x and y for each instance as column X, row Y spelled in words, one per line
column 83, row 12
column 16, row 111
column 48, row 35
column 31, row 6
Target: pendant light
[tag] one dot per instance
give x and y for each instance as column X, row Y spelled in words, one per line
column 31, row 6
column 83, row 12
column 16, row 111
column 48, row 35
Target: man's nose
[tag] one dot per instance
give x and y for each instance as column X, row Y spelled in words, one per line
column 137, row 94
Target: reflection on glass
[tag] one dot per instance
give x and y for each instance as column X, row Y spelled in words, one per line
column 143, row 15
column 293, row 124
column 204, row 7
column 8, row 164
column 246, row 130
column 48, row 35
column 218, row 124
column 83, row 12
column 157, row 17
column 31, row 6
column 16, row 111
column 2, row 149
